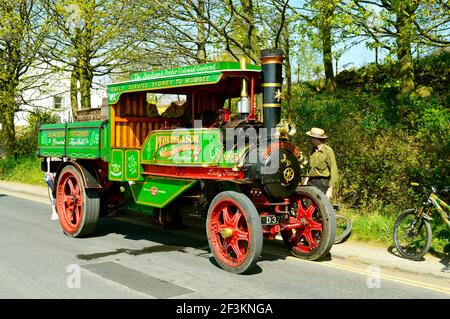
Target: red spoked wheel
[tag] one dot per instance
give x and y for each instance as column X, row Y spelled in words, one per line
column 314, row 212
column 77, row 207
column 234, row 231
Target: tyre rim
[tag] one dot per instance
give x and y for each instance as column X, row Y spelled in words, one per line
column 230, row 233
column 70, row 202
column 306, row 238
column 411, row 238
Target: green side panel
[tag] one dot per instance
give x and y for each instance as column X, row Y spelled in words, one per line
column 158, row 192
column 138, row 208
column 132, row 165
column 183, row 147
column 85, row 140
column 202, row 74
column 105, row 142
column 116, row 167
column 131, row 205
column 115, row 90
column 192, row 69
column 52, row 140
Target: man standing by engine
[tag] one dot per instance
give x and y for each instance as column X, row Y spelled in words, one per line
column 322, row 172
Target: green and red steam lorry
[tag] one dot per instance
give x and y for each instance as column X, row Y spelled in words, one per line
column 237, row 176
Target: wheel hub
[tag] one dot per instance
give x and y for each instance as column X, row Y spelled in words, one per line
column 72, row 200
column 226, row 232
column 304, row 221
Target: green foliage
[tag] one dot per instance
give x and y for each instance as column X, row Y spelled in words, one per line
column 22, row 30
column 371, row 226
column 431, row 71
column 27, row 137
column 441, row 234
column 381, row 144
column 377, row 227
column 23, row 170
column 434, row 71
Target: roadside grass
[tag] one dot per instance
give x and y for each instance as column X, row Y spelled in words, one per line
column 371, row 227
column 23, row 170
column 377, row 228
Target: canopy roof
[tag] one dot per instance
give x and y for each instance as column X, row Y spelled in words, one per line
column 196, row 75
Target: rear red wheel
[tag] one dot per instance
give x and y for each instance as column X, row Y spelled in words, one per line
column 77, row 207
column 314, row 212
column 234, row 231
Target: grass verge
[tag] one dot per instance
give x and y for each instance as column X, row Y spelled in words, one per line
column 22, row 170
column 377, row 228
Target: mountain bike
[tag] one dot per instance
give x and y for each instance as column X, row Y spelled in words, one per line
column 412, row 230
column 343, row 226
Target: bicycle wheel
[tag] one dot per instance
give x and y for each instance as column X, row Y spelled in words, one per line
column 343, row 228
column 412, row 235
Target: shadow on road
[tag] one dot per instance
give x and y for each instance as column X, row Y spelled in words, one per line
column 254, row 271
column 444, row 257
column 153, row 233
column 169, row 240
column 393, row 251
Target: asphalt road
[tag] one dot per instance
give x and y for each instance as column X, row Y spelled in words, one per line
column 126, row 259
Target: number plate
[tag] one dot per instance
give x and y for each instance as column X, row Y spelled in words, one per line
column 270, row 220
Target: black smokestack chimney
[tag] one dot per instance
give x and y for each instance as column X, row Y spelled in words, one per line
column 272, row 64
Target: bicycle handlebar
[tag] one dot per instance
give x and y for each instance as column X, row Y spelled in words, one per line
column 434, row 189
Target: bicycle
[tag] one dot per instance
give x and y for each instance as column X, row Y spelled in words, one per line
column 412, row 230
column 343, row 226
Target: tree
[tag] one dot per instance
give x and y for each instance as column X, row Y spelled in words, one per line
column 432, row 22
column 404, row 11
column 383, row 20
column 179, row 34
column 288, row 67
column 321, row 15
column 23, row 30
column 193, row 28
column 201, row 32
column 232, row 25
column 325, row 19
column 92, row 38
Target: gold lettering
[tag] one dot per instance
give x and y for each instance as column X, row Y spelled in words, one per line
column 56, row 134
column 79, row 134
column 176, row 139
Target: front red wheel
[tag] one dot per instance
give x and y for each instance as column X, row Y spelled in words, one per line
column 314, row 212
column 234, row 231
column 77, row 207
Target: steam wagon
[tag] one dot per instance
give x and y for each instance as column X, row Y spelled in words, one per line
column 195, row 162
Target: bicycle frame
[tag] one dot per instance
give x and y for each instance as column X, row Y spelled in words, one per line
column 442, row 207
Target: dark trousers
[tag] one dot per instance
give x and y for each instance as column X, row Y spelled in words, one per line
column 321, row 183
